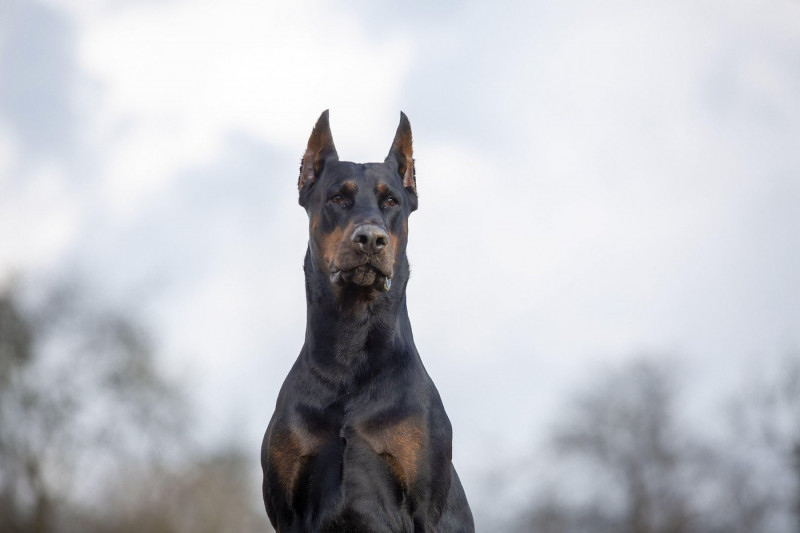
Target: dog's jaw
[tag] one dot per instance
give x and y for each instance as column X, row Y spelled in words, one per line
column 364, row 276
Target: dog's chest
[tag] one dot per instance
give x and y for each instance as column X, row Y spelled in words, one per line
column 398, row 443
column 363, row 446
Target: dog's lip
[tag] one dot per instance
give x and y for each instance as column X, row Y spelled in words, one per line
column 338, row 270
column 383, row 281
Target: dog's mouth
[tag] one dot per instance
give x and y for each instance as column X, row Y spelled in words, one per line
column 365, row 275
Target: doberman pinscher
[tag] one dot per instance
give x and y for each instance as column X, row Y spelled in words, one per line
column 359, row 441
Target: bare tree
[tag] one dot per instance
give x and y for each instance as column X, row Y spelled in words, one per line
column 764, row 447
column 93, row 437
column 635, row 466
column 79, row 396
column 641, row 468
column 210, row 495
column 628, row 426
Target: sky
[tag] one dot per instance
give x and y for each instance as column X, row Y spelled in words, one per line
column 597, row 181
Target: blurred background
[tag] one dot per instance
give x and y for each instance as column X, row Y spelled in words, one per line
column 605, row 260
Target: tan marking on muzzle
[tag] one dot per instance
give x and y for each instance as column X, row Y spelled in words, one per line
column 330, row 245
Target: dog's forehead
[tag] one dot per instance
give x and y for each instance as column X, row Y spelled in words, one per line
column 370, row 174
column 381, row 173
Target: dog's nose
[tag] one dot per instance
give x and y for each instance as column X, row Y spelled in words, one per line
column 370, row 239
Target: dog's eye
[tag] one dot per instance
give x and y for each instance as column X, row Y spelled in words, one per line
column 391, row 202
column 337, row 199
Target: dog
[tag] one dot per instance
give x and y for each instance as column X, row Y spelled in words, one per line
column 359, row 440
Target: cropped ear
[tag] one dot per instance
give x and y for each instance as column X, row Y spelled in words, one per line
column 320, row 149
column 402, row 153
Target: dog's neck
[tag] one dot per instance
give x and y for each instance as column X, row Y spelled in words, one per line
column 353, row 326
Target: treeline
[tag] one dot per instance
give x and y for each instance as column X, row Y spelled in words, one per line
column 94, row 439
column 631, row 453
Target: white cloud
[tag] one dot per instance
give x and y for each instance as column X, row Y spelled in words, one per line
column 39, row 217
column 632, row 205
column 177, row 77
column 595, row 181
column 8, row 153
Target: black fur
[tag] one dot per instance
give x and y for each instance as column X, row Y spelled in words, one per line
column 359, row 440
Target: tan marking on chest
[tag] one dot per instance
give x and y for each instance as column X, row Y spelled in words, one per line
column 401, row 445
column 289, row 451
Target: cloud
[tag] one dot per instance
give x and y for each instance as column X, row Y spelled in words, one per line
column 617, row 175
column 39, row 77
column 40, row 219
column 38, row 118
column 594, row 180
column 176, row 77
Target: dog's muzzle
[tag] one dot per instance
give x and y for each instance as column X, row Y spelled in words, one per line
column 365, row 259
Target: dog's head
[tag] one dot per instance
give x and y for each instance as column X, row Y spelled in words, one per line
column 358, row 213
